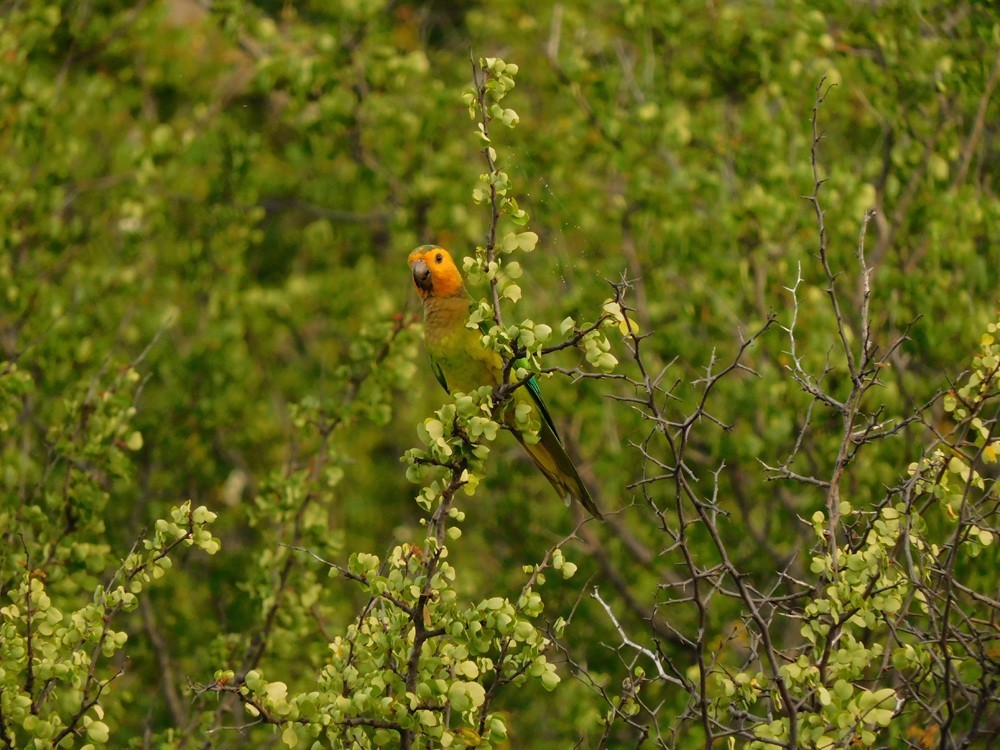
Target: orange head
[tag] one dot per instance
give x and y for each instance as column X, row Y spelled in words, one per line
column 435, row 273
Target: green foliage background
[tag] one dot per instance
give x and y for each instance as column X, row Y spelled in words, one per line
column 205, row 211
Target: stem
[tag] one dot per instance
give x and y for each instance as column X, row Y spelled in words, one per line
column 479, row 78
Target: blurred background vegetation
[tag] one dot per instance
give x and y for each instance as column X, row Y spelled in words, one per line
column 205, row 210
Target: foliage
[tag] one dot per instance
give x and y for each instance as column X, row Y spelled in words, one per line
column 211, row 369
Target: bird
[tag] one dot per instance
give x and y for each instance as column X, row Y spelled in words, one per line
column 461, row 363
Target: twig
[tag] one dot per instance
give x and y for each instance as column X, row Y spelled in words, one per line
column 479, row 77
column 661, row 672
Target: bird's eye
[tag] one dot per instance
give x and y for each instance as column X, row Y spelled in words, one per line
column 438, row 258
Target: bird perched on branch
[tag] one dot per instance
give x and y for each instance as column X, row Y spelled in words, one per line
column 461, row 363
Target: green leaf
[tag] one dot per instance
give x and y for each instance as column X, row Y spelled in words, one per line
column 550, row 680
column 512, row 292
column 99, row 732
column 527, row 241
column 459, row 697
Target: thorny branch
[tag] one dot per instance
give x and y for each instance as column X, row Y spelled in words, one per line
column 960, row 620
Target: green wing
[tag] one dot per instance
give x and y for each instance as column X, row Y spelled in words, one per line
column 439, row 374
column 531, row 386
column 536, row 396
column 549, row 454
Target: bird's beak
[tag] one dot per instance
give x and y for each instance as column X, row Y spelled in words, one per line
column 421, row 275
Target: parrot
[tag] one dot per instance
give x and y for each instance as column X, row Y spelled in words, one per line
column 461, row 363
